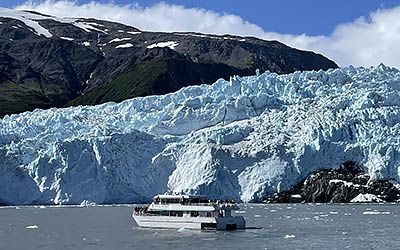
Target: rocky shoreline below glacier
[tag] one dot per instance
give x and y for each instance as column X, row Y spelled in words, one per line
column 347, row 184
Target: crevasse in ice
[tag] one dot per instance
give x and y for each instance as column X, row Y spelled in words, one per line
column 244, row 138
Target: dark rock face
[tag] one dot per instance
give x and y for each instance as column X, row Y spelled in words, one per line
column 112, row 62
column 337, row 185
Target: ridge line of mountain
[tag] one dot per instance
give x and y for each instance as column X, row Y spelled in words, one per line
column 49, row 62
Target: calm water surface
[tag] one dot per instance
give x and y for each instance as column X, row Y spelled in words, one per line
column 283, row 226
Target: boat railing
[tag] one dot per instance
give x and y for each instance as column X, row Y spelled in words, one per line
column 144, row 214
column 214, row 204
column 140, row 211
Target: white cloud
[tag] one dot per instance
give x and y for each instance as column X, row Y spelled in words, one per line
column 364, row 42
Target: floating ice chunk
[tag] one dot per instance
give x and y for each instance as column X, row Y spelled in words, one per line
column 289, row 236
column 87, row 203
column 86, row 43
column 41, row 206
column 169, row 44
column 375, row 212
column 365, row 198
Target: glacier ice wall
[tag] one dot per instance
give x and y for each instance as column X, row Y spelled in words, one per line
column 243, row 139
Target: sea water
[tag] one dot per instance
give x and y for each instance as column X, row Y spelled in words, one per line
column 274, row 226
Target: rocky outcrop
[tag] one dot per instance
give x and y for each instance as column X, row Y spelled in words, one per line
column 341, row 185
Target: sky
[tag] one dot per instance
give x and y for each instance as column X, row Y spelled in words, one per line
column 357, row 32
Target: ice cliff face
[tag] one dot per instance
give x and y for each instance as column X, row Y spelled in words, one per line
column 244, row 138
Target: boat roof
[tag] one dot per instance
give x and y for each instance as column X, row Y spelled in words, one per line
column 178, row 196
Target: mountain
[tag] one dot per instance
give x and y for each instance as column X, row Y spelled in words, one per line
column 47, row 61
column 247, row 138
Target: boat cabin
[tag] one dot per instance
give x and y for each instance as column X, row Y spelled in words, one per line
column 190, row 206
column 181, row 199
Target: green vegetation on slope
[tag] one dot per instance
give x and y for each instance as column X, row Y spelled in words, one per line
column 137, row 82
column 156, row 76
column 15, row 98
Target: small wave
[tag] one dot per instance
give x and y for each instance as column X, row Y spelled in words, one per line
column 181, row 229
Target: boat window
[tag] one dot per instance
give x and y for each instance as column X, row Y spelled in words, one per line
column 194, row 213
column 208, row 226
column 169, row 201
column 198, row 200
column 193, row 200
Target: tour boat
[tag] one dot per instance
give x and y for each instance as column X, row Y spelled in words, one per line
column 189, row 212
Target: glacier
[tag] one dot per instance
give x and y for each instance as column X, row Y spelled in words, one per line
column 245, row 138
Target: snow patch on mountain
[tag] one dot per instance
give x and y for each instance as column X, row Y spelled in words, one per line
column 30, row 20
column 123, row 46
column 169, row 44
column 120, row 39
column 134, row 32
column 89, row 26
column 86, row 43
column 67, row 38
column 244, row 138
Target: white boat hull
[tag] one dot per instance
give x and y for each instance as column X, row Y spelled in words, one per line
column 227, row 223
